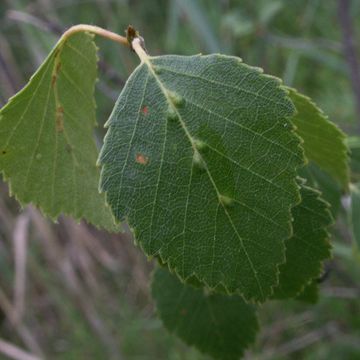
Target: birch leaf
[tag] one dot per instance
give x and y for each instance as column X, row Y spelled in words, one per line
column 308, row 247
column 310, row 293
column 219, row 325
column 47, row 149
column 324, row 142
column 200, row 157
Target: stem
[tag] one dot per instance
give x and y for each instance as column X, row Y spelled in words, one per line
column 97, row 31
column 138, row 48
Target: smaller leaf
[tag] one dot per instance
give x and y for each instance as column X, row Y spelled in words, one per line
column 47, row 148
column 330, row 189
column 219, row 325
column 308, row 246
column 324, row 142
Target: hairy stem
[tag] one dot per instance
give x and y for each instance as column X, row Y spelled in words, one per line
column 97, row 31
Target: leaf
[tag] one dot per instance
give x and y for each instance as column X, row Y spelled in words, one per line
column 219, row 325
column 355, row 212
column 330, row 189
column 47, row 150
column 201, row 159
column 308, row 247
column 354, row 145
column 324, row 142
column 310, row 294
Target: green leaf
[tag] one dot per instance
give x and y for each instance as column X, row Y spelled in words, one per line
column 324, row 142
column 330, row 189
column 354, row 145
column 308, row 247
column 47, row 149
column 219, row 325
column 310, row 294
column 355, row 212
column 201, row 159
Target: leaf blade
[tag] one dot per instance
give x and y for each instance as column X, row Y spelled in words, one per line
column 324, row 142
column 187, row 156
column 310, row 293
column 50, row 160
column 219, row 325
column 307, row 248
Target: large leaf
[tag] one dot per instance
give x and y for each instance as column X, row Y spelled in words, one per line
column 201, row 158
column 324, row 142
column 47, row 150
column 308, row 247
column 219, row 325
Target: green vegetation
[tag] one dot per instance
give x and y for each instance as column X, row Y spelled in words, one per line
column 72, row 291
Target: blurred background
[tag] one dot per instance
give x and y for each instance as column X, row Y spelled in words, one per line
column 69, row 291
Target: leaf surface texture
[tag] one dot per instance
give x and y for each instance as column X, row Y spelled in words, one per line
column 200, row 157
column 324, row 142
column 308, row 247
column 47, row 149
column 219, row 325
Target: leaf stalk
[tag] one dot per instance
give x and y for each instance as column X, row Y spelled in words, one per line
column 138, row 47
column 97, row 31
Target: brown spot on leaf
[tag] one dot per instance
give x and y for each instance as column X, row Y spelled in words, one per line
column 145, row 110
column 4, row 152
column 58, row 67
column 141, row 159
column 55, row 74
column 183, row 312
column 53, row 80
column 59, row 119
